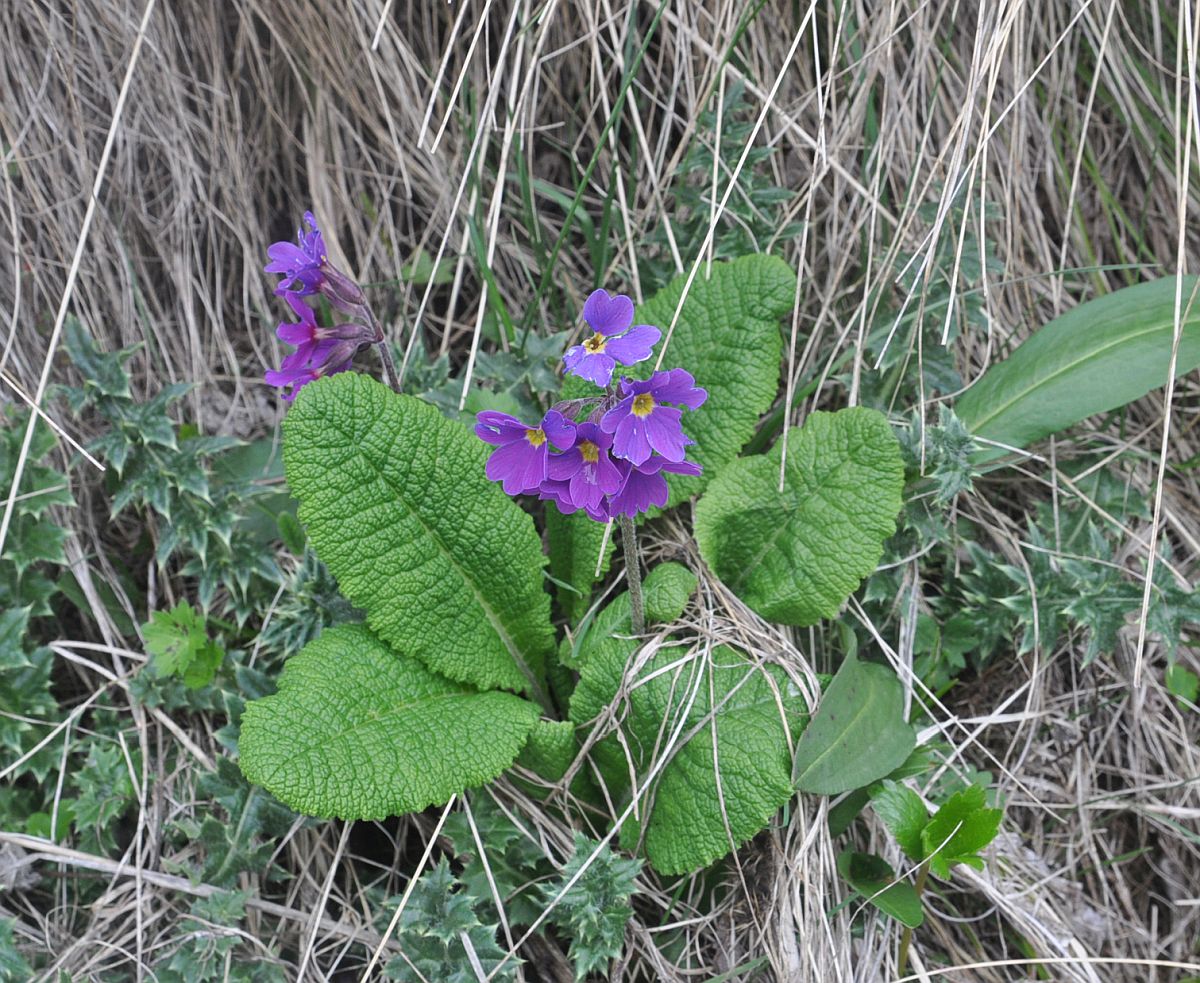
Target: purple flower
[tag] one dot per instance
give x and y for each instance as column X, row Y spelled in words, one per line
column 311, row 362
column 306, row 270
column 609, row 316
column 644, row 485
column 641, row 423
column 586, row 470
column 520, row 458
column 319, row 351
column 300, row 263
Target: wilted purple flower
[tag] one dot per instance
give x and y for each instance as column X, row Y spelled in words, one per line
column 319, row 351
column 644, row 486
column 311, row 362
column 306, row 269
column 520, row 458
column 609, row 316
column 641, row 423
column 586, row 470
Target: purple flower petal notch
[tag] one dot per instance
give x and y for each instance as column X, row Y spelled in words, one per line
column 642, row 423
column 613, row 340
column 522, row 453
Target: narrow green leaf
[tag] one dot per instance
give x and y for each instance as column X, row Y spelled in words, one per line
column 1095, row 357
column 858, row 733
column 875, row 880
column 796, row 556
column 904, row 814
column 396, row 503
column 358, row 731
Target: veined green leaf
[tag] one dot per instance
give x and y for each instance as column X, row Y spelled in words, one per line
column 1096, row 357
column 858, row 733
column 729, row 771
column 728, row 337
column 396, row 503
column 795, row 557
column 359, row 731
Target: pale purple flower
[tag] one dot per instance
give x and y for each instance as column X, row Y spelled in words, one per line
column 641, row 423
column 613, row 340
column 520, row 459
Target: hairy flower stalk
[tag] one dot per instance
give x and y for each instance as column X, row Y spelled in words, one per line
column 320, row 351
column 633, row 574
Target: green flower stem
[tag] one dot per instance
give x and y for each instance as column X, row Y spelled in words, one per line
column 633, row 574
column 906, row 937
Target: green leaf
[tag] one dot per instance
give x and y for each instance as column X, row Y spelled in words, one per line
column 959, row 830
column 396, row 503
column 694, row 812
column 179, row 645
column 875, row 880
column 1183, row 683
column 796, row 556
column 665, row 591
column 728, row 337
column 904, row 814
column 574, row 543
column 358, row 731
column 858, row 733
column 550, row 749
column 1096, row 357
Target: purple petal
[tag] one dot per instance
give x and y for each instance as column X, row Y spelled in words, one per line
column 518, row 466
column 596, row 367
column 634, row 346
column 564, row 466
column 639, row 493
column 608, row 314
column 285, row 257
column 295, row 334
column 678, row 386
column 665, row 434
column 612, row 419
column 559, row 430
column 682, row 467
column 495, row 427
column 629, row 439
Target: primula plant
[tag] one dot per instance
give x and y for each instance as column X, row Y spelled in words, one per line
column 459, row 673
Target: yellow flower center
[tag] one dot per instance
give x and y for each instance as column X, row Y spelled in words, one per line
column 590, row 452
column 643, row 404
column 595, row 343
column 535, row 436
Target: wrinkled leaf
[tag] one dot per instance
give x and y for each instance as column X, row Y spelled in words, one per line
column 796, row 556
column 358, row 731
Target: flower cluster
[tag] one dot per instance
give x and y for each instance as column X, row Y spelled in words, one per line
column 320, row 351
column 614, row 462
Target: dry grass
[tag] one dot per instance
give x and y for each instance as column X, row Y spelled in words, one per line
column 1066, row 116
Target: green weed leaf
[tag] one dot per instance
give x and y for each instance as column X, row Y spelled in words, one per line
column 904, row 814
column 858, row 733
column 795, row 557
column 959, row 830
column 179, row 645
column 696, row 811
column 1096, row 357
column 396, row 503
column 358, row 731
column 875, row 880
